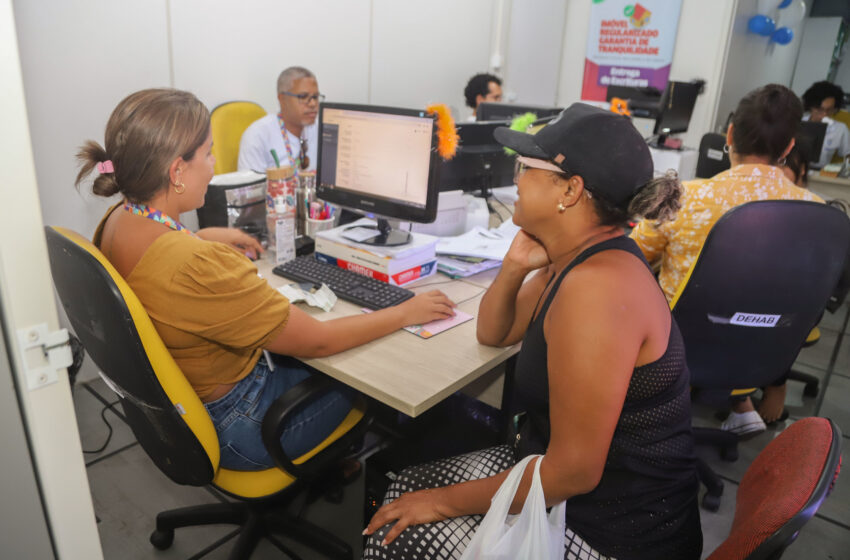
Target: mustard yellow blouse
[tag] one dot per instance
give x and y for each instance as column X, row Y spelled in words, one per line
column 207, row 303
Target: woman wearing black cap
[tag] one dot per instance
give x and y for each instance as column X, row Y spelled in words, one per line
column 599, row 344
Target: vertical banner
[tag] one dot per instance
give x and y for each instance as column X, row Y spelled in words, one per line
column 629, row 44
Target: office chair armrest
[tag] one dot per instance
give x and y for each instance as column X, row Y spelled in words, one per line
column 276, row 416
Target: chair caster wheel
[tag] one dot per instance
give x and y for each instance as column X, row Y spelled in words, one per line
column 811, row 390
column 162, row 539
column 710, row 503
column 729, row 454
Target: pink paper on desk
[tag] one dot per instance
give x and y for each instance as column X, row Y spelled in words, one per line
column 436, row 327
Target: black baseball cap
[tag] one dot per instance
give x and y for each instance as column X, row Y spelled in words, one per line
column 603, row 148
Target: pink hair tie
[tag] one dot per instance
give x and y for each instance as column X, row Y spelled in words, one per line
column 105, row 167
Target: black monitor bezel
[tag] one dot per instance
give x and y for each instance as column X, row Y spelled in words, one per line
column 818, row 139
column 540, row 110
column 665, row 100
column 378, row 206
column 474, row 157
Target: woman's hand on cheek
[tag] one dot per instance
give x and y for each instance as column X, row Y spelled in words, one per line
column 413, row 508
column 527, row 253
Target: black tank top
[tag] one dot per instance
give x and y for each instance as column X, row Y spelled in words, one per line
column 645, row 506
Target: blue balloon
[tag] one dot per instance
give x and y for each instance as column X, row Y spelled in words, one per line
column 761, row 25
column 785, row 4
column 783, row 36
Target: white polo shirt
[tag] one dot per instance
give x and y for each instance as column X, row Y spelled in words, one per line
column 264, row 135
column 835, row 142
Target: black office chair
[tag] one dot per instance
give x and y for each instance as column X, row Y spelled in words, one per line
column 170, row 421
column 711, row 158
column 758, row 287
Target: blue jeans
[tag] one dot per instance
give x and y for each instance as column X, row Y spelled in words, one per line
column 238, row 415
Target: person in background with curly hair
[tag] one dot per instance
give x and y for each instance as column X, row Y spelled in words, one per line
column 758, row 141
column 821, row 102
column 601, row 375
column 481, row 88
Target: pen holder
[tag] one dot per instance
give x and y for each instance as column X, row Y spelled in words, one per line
column 305, row 193
column 311, row 226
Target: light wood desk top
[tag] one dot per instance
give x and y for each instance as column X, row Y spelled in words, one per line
column 829, row 187
column 409, row 373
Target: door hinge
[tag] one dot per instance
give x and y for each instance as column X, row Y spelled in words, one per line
column 44, row 353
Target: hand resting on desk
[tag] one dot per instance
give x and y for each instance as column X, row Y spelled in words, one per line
column 304, row 336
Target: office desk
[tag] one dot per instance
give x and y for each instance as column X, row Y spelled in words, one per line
column 409, row 373
column 829, row 187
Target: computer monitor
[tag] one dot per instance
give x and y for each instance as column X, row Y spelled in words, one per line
column 480, row 163
column 507, row 111
column 810, row 140
column 644, row 102
column 677, row 104
column 381, row 161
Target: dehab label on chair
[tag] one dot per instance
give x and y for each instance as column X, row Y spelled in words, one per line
column 754, row 320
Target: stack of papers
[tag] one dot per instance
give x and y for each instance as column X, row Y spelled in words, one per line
column 461, row 267
column 489, row 244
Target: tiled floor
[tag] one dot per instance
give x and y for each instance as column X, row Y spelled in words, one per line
column 128, row 490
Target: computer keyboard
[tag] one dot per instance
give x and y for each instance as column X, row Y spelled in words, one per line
column 348, row 285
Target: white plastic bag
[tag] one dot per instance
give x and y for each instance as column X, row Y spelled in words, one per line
column 530, row 535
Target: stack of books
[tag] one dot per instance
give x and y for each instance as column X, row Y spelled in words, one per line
column 398, row 265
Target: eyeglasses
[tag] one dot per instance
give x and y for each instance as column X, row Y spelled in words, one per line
column 519, row 169
column 306, row 98
column 303, row 157
column 824, row 110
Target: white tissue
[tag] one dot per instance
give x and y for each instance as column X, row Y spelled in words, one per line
column 323, row 298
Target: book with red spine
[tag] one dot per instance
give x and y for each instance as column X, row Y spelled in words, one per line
column 398, row 277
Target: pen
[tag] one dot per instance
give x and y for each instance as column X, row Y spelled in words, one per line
column 275, row 158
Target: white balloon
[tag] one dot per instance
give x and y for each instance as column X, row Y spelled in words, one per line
column 768, row 7
column 792, row 15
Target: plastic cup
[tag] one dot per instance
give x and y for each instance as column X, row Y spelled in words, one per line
column 312, row 226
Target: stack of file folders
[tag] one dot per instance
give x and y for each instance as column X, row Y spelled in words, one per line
column 457, row 266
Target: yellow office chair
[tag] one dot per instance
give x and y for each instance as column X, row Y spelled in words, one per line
column 228, row 121
column 170, row 421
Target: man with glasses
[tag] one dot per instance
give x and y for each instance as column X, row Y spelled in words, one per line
column 821, row 102
column 292, row 133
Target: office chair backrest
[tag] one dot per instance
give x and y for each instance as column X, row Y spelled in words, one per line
column 227, row 122
column 782, row 489
column 711, row 159
column 759, row 285
column 165, row 414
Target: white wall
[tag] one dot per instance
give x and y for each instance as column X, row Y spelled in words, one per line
column 815, row 52
column 80, row 57
column 534, row 51
column 242, row 59
column 424, row 51
column 700, row 52
column 756, row 60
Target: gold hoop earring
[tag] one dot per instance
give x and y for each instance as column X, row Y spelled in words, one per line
column 179, row 188
column 561, row 208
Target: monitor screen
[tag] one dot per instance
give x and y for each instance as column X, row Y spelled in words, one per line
column 507, row 111
column 677, row 104
column 630, row 93
column 378, row 160
column 480, row 163
column 810, row 140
